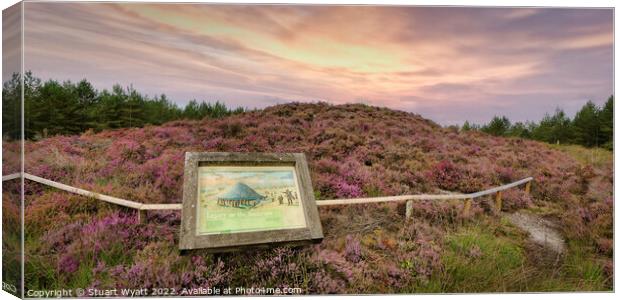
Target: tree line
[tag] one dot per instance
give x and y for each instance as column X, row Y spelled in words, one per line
column 592, row 126
column 61, row 108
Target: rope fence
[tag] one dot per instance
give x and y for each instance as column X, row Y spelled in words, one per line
column 143, row 208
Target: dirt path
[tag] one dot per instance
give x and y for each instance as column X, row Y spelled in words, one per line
column 541, row 231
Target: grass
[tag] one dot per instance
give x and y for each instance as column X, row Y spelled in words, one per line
column 494, row 256
column 476, row 260
column 11, row 259
column 40, row 274
column 579, row 270
column 594, row 156
column 82, row 277
column 583, row 269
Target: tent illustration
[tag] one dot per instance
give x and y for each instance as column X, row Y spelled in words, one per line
column 240, row 195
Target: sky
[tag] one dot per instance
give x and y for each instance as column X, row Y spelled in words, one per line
column 448, row 64
column 222, row 178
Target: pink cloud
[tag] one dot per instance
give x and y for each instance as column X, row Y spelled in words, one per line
column 410, row 58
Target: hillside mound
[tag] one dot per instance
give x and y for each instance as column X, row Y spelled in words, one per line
column 353, row 150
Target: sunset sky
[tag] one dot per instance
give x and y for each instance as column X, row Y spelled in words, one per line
column 447, row 64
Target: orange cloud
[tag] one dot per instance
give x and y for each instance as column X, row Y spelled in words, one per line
column 256, row 55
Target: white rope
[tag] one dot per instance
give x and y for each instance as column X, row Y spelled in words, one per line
column 64, row 187
column 11, row 176
column 425, row 197
column 178, row 206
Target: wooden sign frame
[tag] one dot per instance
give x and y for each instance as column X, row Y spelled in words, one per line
column 190, row 238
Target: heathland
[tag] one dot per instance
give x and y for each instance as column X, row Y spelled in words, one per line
column 353, row 151
column 65, row 108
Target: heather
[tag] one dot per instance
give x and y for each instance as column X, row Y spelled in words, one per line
column 353, row 151
column 11, row 233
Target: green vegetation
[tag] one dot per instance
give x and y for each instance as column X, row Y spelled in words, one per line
column 587, row 156
column 592, row 126
column 366, row 249
column 476, row 260
column 11, row 238
column 491, row 255
column 54, row 108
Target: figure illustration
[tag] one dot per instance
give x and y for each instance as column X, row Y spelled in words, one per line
column 289, row 196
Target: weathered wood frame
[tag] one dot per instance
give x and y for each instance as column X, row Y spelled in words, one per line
column 313, row 232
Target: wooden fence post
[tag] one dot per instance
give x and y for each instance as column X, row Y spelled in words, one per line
column 409, row 209
column 528, row 187
column 498, row 202
column 467, row 207
column 141, row 216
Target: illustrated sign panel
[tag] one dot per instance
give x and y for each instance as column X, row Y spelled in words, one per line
column 245, row 199
column 231, row 200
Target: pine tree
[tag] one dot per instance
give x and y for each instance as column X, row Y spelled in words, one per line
column 555, row 129
column 11, row 108
column 466, row 126
column 498, row 126
column 131, row 110
column 606, row 117
column 587, row 125
column 192, row 110
column 519, row 130
column 87, row 100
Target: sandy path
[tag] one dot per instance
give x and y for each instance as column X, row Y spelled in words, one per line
column 541, row 231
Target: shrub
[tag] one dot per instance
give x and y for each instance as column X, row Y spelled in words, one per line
column 514, row 199
column 446, row 175
column 353, row 250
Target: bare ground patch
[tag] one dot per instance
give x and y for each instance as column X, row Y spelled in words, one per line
column 542, row 232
